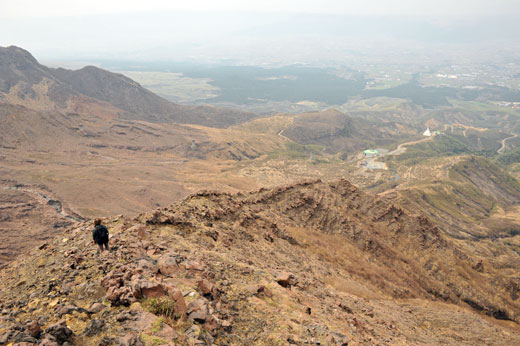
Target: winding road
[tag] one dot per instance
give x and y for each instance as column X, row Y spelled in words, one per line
column 503, row 147
column 401, row 148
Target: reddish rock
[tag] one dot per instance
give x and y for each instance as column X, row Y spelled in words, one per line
column 198, row 311
column 60, row 332
column 94, row 327
column 146, row 265
column 180, row 303
column 96, row 307
column 145, row 289
column 112, row 279
column 168, row 264
column 207, row 288
column 211, row 324
column 260, row 290
column 142, row 321
column 286, row 279
column 120, row 295
column 65, row 309
column 198, row 316
column 130, row 340
column 158, row 218
column 226, row 325
column 139, row 230
column 166, row 332
column 33, row 329
column 194, row 266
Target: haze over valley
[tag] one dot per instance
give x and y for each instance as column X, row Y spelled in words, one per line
column 341, row 175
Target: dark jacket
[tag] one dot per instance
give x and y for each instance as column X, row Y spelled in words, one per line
column 100, row 234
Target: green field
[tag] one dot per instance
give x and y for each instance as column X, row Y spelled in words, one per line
column 174, row 86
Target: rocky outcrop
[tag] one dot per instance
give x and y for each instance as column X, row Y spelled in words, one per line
column 304, row 264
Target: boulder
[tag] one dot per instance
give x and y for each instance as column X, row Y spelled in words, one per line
column 94, row 327
column 180, row 303
column 166, row 332
column 286, row 279
column 120, row 295
column 158, row 218
column 60, row 332
column 198, row 316
column 168, row 264
column 198, row 311
column 194, row 265
column 260, row 290
column 64, row 309
column 146, row 289
column 147, row 265
column 33, row 329
column 96, row 307
column 207, row 288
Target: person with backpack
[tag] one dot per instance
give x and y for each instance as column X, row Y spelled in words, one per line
column 100, row 235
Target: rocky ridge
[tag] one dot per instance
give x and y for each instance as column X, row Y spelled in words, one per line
column 310, row 263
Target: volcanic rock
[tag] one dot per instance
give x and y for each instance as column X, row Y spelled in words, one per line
column 286, row 279
column 60, row 332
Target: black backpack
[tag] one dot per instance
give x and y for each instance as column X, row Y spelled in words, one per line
column 101, row 233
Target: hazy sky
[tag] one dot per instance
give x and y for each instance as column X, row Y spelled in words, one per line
column 460, row 8
column 292, row 30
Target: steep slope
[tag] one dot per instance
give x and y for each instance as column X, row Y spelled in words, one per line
column 459, row 193
column 139, row 103
column 474, row 202
column 91, row 90
column 308, row 263
column 28, row 216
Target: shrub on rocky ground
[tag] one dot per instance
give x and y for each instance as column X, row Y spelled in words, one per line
column 163, row 306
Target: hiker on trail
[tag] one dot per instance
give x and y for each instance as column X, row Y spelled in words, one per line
column 100, row 235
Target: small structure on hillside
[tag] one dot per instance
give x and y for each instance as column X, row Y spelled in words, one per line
column 370, row 153
column 427, row 133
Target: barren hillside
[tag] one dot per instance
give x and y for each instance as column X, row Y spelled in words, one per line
column 308, row 263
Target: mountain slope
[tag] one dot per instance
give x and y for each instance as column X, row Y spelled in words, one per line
column 306, row 263
column 341, row 132
column 25, row 82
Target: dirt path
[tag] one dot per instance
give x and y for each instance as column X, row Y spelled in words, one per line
column 281, row 135
column 401, row 148
column 503, row 147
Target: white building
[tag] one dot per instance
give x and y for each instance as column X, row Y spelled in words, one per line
column 427, row 133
